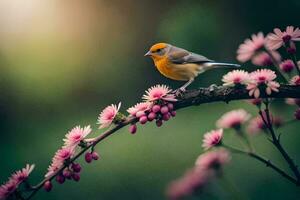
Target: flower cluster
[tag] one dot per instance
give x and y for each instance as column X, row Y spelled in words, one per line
column 207, row 166
column 63, row 156
column 158, row 106
column 17, row 178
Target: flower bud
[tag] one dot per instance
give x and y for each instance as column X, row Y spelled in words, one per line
column 170, row 106
column 76, row 167
column 67, row 174
column 95, row 155
column 60, row 179
column 76, row 177
column 47, row 186
column 164, row 110
column 143, row 120
column 166, row 117
column 156, row 108
column 159, row 123
column 297, row 114
column 88, row 157
column 173, row 113
column 132, row 128
column 151, row 116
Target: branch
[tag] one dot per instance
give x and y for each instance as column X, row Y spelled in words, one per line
column 189, row 98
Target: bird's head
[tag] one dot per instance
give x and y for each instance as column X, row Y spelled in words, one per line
column 158, row 51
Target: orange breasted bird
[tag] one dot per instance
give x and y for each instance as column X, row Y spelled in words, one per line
column 181, row 65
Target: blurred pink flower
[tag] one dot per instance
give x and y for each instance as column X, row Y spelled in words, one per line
column 213, row 160
column 233, row 119
column 8, row 188
column 256, row 102
column 295, row 80
column 262, row 77
column 108, row 115
column 192, row 180
column 159, row 92
column 212, row 138
column 250, row 46
column 292, row 101
column 144, row 106
column 235, row 77
column 278, row 38
column 21, row 175
column 287, row 65
column 263, row 58
column 76, row 135
column 256, row 125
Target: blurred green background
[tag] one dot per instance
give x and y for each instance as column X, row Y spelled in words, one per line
column 63, row 61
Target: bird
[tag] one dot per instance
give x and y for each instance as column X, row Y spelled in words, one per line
column 181, row 65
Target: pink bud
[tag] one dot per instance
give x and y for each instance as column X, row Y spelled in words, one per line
column 76, row 177
column 166, row 117
column 67, row 173
column 132, row 128
column 170, row 106
column 164, row 110
column 297, row 114
column 156, row 108
column 173, row 113
column 151, row 116
column 60, row 179
column 47, row 186
column 88, row 157
column 140, row 114
column 143, row 119
column 76, row 167
column 95, row 155
column 159, row 123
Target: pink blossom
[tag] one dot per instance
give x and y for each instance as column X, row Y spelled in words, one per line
column 250, row 46
column 8, row 188
column 262, row 77
column 139, row 107
column 108, row 115
column 256, row 125
column 263, row 58
column 235, row 77
column 278, row 38
column 192, row 180
column 295, row 80
column 292, row 101
column 233, row 119
column 76, row 135
column 21, row 175
column 213, row 160
column 287, row 65
column 159, row 92
column 212, row 138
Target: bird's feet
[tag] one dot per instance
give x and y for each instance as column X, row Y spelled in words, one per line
column 212, row 87
column 179, row 92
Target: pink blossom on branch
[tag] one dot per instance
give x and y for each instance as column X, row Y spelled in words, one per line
column 139, row 107
column 159, row 92
column 264, row 59
column 235, row 77
column 108, row 115
column 233, row 119
column 213, row 160
column 23, row 174
column 295, row 80
column 250, row 47
column 76, row 135
column 212, row 138
column 262, row 78
column 278, row 38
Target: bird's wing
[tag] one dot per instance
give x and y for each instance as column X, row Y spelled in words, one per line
column 181, row 56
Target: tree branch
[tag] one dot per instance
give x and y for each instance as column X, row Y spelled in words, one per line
column 189, row 98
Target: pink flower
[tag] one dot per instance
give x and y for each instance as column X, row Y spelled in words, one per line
column 235, row 77
column 256, row 125
column 263, row 58
column 76, row 135
column 292, row 101
column 287, row 65
column 262, row 77
column 278, row 38
column 295, row 80
column 139, row 107
column 192, row 180
column 250, row 46
column 213, row 160
column 233, row 119
column 21, row 175
column 108, row 115
column 212, row 138
column 159, row 92
column 58, row 160
column 8, row 188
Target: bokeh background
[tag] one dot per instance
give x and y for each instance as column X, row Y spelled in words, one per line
column 62, row 61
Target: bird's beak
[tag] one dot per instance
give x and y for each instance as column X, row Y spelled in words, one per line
column 148, row 53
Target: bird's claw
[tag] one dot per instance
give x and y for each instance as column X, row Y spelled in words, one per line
column 179, row 92
column 212, row 87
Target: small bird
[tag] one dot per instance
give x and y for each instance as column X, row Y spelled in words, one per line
column 181, row 65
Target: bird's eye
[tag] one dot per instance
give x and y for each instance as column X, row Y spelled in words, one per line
column 158, row 50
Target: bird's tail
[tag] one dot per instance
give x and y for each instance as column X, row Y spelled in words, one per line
column 211, row 65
